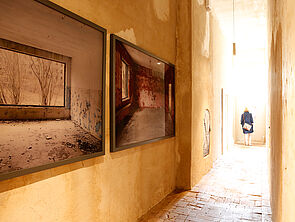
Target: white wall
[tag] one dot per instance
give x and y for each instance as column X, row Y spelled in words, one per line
column 249, row 89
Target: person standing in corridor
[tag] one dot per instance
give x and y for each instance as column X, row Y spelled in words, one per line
column 247, row 126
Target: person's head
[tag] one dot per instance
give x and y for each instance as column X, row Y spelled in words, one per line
column 246, row 110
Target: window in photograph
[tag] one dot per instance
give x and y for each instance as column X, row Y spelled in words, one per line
column 125, row 81
column 30, row 80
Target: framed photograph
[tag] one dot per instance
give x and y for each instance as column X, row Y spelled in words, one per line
column 206, row 133
column 142, row 96
column 52, row 83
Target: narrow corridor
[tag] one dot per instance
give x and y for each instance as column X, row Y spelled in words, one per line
column 236, row 189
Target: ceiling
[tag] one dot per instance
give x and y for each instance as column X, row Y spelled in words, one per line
column 250, row 21
column 145, row 60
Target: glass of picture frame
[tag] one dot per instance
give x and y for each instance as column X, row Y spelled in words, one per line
column 142, row 96
column 52, row 83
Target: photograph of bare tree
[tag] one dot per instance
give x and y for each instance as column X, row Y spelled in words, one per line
column 52, row 73
column 143, row 96
column 29, row 80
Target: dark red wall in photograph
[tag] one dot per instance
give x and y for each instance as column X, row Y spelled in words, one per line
column 150, row 88
column 147, row 89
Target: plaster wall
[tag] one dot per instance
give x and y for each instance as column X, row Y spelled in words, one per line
column 203, row 66
column 119, row 186
column 183, row 94
column 211, row 66
column 123, row 186
column 281, row 118
column 221, row 68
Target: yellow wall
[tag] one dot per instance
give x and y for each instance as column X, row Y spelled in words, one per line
column 119, row 186
column 221, row 68
column 281, row 118
column 183, row 95
column 203, row 64
column 123, row 186
column 211, row 60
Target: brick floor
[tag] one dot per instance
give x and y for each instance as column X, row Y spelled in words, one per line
column 236, row 189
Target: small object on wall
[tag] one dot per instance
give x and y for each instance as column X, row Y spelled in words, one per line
column 234, row 31
column 52, row 82
column 206, row 133
column 142, row 96
column 208, row 5
column 234, row 49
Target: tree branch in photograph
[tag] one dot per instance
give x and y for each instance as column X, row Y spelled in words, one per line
column 10, row 84
column 47, row 78
column 2, row 95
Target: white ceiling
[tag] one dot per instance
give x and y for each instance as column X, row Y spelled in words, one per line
column 250, row 21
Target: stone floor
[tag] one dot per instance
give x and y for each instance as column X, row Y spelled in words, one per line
column 236, row 189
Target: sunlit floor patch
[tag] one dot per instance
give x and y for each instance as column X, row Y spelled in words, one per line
column 236, row 189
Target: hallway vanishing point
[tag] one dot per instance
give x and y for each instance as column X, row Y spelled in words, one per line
column 236, row 189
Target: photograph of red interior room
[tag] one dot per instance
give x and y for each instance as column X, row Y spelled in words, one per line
column 144, row 96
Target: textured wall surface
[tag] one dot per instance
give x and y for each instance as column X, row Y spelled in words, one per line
column 275, row 107
column 183, row 95
column 203, row 65
column 122, row 186
column 118, row 186
column 282, row 93
column 209, row 72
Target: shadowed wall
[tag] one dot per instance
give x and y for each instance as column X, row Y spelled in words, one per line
column 281, row 48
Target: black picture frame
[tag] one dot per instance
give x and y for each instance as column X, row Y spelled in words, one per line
column 65, row 12
column 113, row 147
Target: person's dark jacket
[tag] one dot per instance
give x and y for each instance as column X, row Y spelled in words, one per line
column 247, row 117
